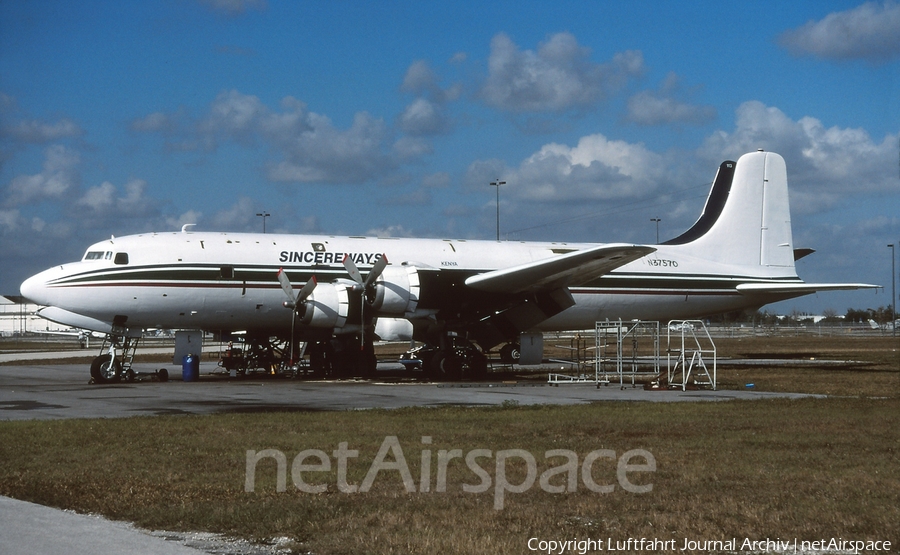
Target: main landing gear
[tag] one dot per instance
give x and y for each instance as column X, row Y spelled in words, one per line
column 335, row 358
column 268, row 355
column 457, row 360
column 510, row 353
column 342, row 357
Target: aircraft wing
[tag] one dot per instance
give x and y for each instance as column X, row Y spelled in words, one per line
column 571, row 269
column 795, row 288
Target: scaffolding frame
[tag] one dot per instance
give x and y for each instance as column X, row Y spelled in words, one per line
column 622, row 351
column 693, row 347
column 639, row 333
column 578, row 345
column 636, row 344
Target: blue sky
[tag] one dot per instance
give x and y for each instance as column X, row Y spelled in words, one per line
column 391, row 118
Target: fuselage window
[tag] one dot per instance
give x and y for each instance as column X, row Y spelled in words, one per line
column 226, row 272
column 94, row 255
column 121, row 258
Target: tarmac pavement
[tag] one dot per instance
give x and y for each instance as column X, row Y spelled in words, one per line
column 29, row 529
column 57, row 391
column 49, row 390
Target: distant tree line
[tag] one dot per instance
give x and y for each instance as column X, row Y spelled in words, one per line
column 881, row 316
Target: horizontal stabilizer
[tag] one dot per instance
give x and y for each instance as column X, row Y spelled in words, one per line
column 799, row 288
column 571, row 269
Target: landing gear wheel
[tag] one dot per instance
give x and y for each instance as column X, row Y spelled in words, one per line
column 162, row 375
column 446, row 367
column 106, row 370
column 510, row 353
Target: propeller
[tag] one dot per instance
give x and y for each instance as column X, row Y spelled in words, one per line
column 365, row 287
column 296, row 303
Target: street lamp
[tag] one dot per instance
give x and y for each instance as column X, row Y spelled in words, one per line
column 497, row 185
column 264, row 215
column 657, row 220
column 893, row 294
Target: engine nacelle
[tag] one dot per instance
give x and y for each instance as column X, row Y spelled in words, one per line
column 393, row 329
column 327, row 306
column 396, row 291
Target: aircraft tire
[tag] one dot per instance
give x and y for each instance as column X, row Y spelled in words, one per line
column 103, row 371
column 447, row 367
column 510, row 353
column 435, row 367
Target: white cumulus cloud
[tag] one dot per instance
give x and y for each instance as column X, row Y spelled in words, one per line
column 9, row 219
column 823, row 162
column 868, row 32
column 666, row 106
column 307, row 147
column 423, row 117
column 38, row 132
column 105, row 202
column 58, row 176
column 559, row 76
column 597, row 168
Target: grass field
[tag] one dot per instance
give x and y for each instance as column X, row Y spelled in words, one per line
column 807, row 469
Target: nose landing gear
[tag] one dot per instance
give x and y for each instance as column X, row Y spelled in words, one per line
column 110, row 368
column 106, row 369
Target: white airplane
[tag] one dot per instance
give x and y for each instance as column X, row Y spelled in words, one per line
column 461, row 298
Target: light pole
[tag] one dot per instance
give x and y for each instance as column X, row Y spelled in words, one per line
column 497, row 185
column 893, row 294
column 657, row 220
column 264, row 215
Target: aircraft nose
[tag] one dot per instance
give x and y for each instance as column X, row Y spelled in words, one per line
column 35, row 289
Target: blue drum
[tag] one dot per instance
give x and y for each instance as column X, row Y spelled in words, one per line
column 190, row 368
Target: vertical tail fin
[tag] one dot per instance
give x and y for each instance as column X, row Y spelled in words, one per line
column 746, row 220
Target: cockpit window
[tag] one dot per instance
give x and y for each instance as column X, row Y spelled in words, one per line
column 93, row 255
column 121, row 258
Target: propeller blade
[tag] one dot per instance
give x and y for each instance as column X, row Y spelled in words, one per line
column 376, row 270
column 307, row 289
column 353, row 270
column 286, row 285
column 296, row 303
